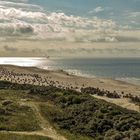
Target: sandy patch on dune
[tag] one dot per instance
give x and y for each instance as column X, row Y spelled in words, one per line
column 123, row 102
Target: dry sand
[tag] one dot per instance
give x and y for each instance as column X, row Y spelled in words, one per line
column 123, row 102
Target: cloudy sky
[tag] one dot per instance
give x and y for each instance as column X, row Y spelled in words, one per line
column 97, row 27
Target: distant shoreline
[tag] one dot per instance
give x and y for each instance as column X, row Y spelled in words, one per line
column 41, row 62
column 122, row 80
column 65, row 72
column 62, row 73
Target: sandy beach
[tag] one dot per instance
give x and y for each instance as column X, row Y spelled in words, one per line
column 36, row 76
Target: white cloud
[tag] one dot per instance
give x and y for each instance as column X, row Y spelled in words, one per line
column 16, row 0
column 97, row 10
column 19, row 5
column 13, row 13
column 20, row 22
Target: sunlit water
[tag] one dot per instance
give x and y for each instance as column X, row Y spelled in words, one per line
column 22, row 61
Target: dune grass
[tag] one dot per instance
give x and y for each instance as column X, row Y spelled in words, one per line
column 15, row 116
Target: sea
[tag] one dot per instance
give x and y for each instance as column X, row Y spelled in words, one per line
column 123, row 69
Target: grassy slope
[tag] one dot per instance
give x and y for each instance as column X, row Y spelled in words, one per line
column 15, row 116
column 76, row 115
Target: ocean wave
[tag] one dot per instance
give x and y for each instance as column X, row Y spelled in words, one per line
column 131, row 80
column 79, row 73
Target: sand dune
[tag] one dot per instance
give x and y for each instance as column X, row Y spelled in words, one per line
column 60, row 78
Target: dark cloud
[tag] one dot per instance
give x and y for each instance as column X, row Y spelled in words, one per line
column 127, row 39
column 26, row 30
column 12, row 49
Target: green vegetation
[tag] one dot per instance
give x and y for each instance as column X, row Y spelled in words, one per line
column 74, row 114
column 15, row 116
column 9, row 136
column 81, row 114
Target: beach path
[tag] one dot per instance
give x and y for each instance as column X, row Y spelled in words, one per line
column 47, row 129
